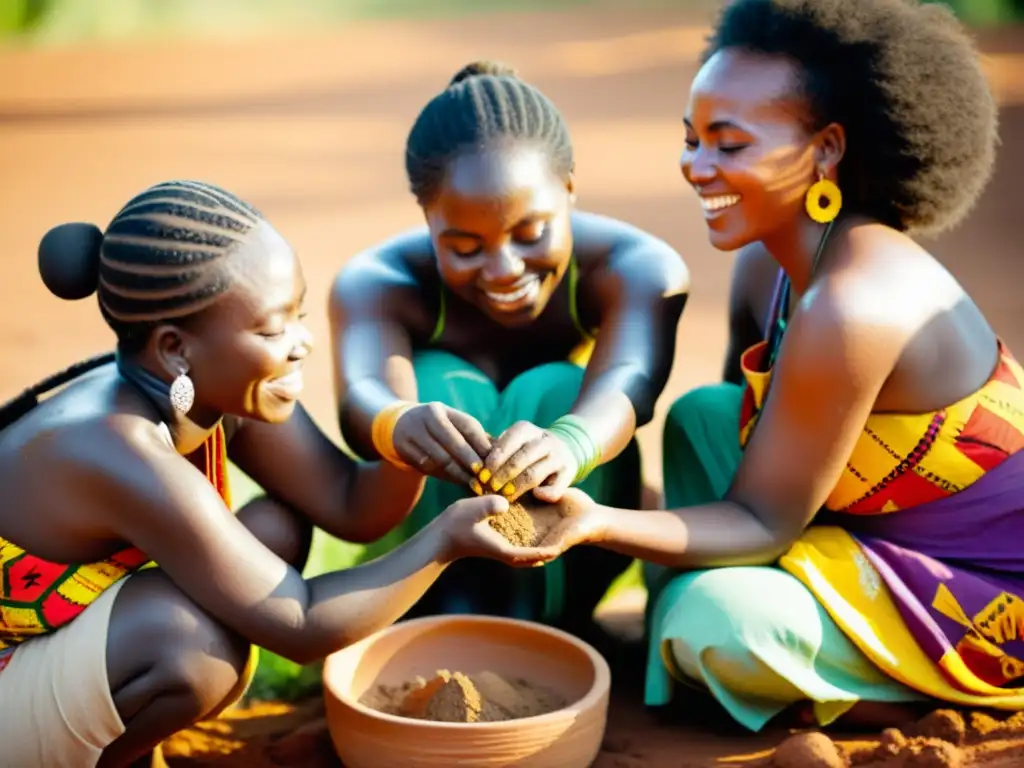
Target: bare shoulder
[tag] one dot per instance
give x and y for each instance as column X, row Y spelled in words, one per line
column 621, row 254
column 394, row 263
column 103, row 446
column 879, row 289
column 78, row 474
column 144, row 491
column 387, row 280
column 82, row 423
column 879, row 275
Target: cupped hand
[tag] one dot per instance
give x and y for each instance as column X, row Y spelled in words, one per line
column 582, row 522
column 441, row 442
column 468, row 533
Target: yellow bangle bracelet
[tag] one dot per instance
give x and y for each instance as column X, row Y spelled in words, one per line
column 383, row 428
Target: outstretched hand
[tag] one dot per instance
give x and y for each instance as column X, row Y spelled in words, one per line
column 469, row 533
column 581, row 523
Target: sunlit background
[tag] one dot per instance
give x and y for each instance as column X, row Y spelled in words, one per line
column 302, row 108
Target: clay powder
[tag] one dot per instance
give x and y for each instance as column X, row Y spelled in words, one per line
column 454, row 697
column 526, row 524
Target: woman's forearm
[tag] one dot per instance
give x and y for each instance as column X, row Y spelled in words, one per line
column 618, row 401
column 344, row 607
column 706, row 536
column 607, row 415
column 380, row 497
column 362, row 401
column 634, row 354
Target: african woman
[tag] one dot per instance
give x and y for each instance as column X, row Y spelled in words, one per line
column 513, row 344
column 843, row 531
column 123, row 465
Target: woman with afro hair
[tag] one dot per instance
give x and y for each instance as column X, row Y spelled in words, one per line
column 842, row 532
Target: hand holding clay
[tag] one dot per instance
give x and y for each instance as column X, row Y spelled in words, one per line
column 545, row 531
column 468, row 533
column 441, row 442
column 527, row 458
column 580, row 522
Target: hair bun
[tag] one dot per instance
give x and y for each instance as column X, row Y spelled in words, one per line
column 477, row 68
column 69, row 260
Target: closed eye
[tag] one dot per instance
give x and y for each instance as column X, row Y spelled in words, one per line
column 529, row 238
column 466, row 254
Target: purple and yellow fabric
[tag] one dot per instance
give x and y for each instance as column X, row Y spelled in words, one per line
column 916, row 558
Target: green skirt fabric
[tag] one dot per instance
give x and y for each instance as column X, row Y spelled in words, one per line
column 566, row 590
column 755, row 637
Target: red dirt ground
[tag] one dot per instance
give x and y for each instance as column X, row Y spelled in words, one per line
column 693, row 733
column 310, row 128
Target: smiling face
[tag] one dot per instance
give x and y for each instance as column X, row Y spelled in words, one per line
column 749, row 153
column 246, row 352
column 501, row 230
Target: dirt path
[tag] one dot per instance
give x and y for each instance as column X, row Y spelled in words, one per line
column 311, row 129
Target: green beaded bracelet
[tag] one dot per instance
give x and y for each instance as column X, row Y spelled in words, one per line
column 572, row 431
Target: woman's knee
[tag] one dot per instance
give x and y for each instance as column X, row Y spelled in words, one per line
column 449, row 379
column 690, row 412
column 544, row 393
column 720, row 616
column 161, row 644
column 284, row 532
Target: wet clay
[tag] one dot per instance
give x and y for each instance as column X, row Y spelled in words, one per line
column 454, row 697
column 526, row 523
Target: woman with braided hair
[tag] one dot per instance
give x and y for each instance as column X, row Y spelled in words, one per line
column 843, row 531
column 101, row 655
column 513, row 344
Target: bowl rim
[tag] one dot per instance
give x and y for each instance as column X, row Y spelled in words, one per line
column 599, row 689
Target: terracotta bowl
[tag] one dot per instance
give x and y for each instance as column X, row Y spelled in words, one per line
column 567, row 738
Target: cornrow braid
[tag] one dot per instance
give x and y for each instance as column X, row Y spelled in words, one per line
column 161, row 258
column 484, row 103
column 18, row 406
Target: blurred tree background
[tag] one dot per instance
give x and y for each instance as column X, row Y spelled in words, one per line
column 56, row 21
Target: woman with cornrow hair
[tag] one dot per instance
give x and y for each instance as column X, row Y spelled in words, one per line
column 123, row 467
column 842, row 542
column 513, row 345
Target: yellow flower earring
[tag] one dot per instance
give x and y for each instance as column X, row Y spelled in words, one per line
column 823, row 200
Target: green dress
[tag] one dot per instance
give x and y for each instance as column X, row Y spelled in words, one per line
column 566, row 591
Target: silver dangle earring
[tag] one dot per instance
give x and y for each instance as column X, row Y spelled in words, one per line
column 183, row 393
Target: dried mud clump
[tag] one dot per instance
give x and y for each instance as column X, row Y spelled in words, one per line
column 945, row 724
column 932, row 742
column 809, row 750
column 922, row 752
column 891, row 743
column 982, row 726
